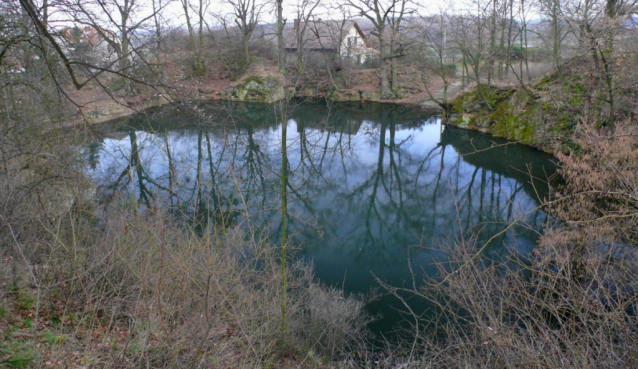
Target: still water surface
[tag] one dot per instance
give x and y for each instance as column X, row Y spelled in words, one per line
column 371, row 187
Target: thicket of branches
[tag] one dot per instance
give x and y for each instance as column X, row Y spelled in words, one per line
column 572, row 303
column 127, row 285
column 185, row 300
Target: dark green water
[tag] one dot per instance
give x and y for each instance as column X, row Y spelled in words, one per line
column 371, row 187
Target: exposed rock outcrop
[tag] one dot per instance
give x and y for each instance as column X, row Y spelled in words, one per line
column 256, row 89
column 545, row 113
column 513, row 114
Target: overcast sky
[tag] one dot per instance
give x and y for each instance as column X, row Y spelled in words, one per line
column 327, row 9
column 173, row 15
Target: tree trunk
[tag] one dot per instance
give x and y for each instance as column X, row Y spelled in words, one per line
column 463, row 71
column 490, row 70
column 199, row 59
column 394, row 81
column 556, row 44
column 385, row 87
column 281, row 47
column 158, row 34
column 299, row 45
column 191, row 36
column 124, row 47
column 246, row 51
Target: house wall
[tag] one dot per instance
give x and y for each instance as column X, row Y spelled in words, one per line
column 356, row 50
column 350, row 49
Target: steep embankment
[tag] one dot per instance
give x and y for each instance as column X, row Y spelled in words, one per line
column 545, row 112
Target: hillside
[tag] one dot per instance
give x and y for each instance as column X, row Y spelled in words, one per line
column 545, row 112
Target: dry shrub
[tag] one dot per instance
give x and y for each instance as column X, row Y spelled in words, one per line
column 329, row 322
column 263, row 47
column 183, row 299
column 529, row 313
column 124, row 286
column 39, row 177
column 536, row 70
column 573, row 302
column 602, row 178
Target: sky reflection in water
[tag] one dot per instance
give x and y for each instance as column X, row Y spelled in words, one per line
column 371, row 186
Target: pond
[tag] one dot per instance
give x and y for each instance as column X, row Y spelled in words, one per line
column 373, row 189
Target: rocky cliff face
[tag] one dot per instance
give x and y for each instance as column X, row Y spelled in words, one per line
column 269, row 89
column 530, row 117
column 354, row 95
column 257, row 89
column 547, row 112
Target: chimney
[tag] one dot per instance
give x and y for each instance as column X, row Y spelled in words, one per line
column 296, row 25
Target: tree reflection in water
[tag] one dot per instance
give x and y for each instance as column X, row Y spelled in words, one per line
column 369, row 187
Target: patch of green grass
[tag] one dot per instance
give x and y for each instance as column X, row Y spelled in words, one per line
column 28, row 322
column 15, row 355
column 134, row 347
column 26, row 303
column 53, row 338
column 54, row 319
column 20, row 360
column 10, row 330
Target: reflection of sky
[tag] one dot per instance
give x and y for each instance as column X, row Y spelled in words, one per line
column 350, row 215
column 355, row 205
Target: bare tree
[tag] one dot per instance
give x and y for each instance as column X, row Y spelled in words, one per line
column 596, row 22
column 474, row 41
column 159, row 23
column 281, row 42
column 552, row 10
column 305, row 9
column 246, row 14
column 196, row 49
column 386, row 16
column 396, row 47
column 329, row 37
column 126, row 24
column 129, row 18
column 433, row 48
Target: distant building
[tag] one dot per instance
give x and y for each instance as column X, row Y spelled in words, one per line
column 86, row 44
column 342, row 38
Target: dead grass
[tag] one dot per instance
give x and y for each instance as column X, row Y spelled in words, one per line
column 82, row 286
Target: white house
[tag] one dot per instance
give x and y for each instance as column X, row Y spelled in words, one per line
column 344, row 38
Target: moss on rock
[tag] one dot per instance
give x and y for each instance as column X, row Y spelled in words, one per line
column 544, row 119
column 370, row 95
column 343, row 95
column 257, row 89
column 353, row 95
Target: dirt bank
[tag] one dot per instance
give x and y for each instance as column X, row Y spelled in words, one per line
column 97, row 103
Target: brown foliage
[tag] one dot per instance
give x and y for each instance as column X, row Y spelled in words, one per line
column 573, row 302
column 602, row 180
